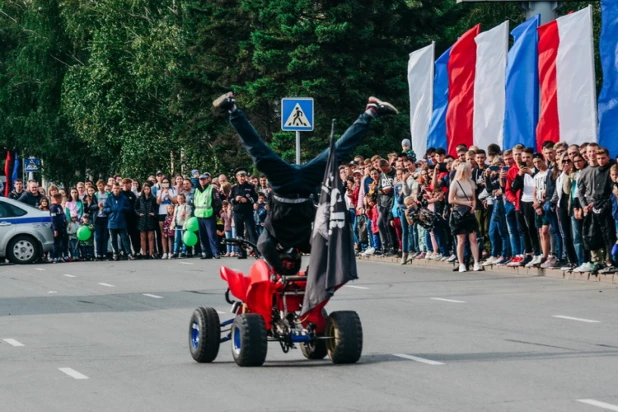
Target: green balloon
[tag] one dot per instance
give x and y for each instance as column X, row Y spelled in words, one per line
column 192, row 224
column 83, row 233
column 190, row 238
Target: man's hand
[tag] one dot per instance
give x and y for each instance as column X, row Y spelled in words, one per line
column 55, row 233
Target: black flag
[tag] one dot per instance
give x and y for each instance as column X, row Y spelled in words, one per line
column 332, row 261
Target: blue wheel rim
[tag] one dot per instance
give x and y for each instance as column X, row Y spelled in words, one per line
column 236, row 340
column 195, row 334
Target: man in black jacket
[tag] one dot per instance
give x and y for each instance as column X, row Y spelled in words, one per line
column 130, row 216
column 243, row 196
column 386, row 197
column 32, row 196
column 15, row 194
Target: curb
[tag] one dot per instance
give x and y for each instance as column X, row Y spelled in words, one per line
column 520, row 271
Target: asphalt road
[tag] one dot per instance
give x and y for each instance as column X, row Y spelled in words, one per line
column 434, row 341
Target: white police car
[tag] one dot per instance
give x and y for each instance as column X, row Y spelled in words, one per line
column 25, row 232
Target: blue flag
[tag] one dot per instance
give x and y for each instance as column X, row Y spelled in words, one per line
column 608, row 98
column 522, row 86
column 15, row 174
column 437, row 128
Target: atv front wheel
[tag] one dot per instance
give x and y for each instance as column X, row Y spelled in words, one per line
column 249, row 341
column 204, row 335
column 345, row 333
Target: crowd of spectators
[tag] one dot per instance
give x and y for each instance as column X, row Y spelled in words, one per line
column 551, row 209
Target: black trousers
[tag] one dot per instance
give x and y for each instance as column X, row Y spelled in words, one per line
column 245, row 222
column 526, row 218
column 564, row 224
column 387, row 232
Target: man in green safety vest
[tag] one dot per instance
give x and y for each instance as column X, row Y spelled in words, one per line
column 207, row 204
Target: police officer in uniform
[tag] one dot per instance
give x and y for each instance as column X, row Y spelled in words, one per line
column 243, row 197
column 207, row 207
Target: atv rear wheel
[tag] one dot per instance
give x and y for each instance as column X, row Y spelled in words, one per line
column 249, row 340
column 345, row 333
column 204, row 335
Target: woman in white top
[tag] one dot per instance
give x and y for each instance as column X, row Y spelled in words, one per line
column 462, row 197
column 166, row 195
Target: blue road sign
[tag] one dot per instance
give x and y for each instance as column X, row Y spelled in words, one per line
column 297, row 114
column 32, row 164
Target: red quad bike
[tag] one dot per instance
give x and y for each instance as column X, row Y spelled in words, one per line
column 269, row 309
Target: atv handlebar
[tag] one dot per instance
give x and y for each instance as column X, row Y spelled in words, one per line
column 241, row 242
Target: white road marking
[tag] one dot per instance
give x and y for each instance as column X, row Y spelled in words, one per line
column 577, row 319
column 53, row 291
column 69, row 276
column 152, row 296
column 448, row 300
column 355, row 287
column 107, row 284
column 73, row 373
column 13, row 342
column 41, row 269
column 185, row 263
column 417, row 359
column 607, row 406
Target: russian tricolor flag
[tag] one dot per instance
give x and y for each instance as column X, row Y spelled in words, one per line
column 467, row 92
column 608, row 98
column 566, row 74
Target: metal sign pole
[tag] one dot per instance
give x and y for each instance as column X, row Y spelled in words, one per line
column 297, row 147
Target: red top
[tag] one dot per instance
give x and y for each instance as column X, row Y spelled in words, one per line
column 511, row 195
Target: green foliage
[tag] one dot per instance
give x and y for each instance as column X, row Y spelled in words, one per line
column 126, row 85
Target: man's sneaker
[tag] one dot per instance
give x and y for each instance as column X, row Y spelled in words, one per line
column 568, row 268
column 549, row 263
column 502, row 261
column 225, row 102
column 370, row 251
column 115, row 257
column 608, row 270
column 491, row 261
column 515, row 262
column 376, row 106
column 130, row 257
column 526, row 260
column 452, row 259
column 534, row 262
column 586, row 267
column 435, row 256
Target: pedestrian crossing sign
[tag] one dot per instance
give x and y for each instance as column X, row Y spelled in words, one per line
column 297, row 114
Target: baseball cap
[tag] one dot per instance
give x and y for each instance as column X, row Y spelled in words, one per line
column 358, row 171
column 159, row 172
column 194, row 172
column 205, row 175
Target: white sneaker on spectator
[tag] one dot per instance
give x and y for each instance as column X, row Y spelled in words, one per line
column 549, row 263
column 535, row 261
column 435, row 256
column 586, row 267
column 369, row 251
column 477, row 267
column 164, row 256
column 462, row 268
column 452, row 259
column 492, row 260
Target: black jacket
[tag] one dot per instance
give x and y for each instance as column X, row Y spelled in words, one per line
column 146, row 206
column 246, row 190
column 30, row 199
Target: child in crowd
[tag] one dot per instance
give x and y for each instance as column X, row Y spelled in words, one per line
column 72, row 228
column 372, row 214
column 44, row 204
column 59, row 226
column 87, row 246
column 168, row 230
column 262, row 211
column 182, row 211
column 226, row 216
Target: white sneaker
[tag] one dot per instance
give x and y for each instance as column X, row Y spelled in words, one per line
column 369, row 251
column 535, row 261
column 477, row 267
column 164, row 256
column 452, row 259
column 586, row 267
column 462, row 268
column 436, row 256
column 490, row 261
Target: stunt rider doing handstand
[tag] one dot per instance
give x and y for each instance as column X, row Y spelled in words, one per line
column 292, row 210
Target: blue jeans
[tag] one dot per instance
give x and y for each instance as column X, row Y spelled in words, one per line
column 578, row 242
column 352, row 213
column 179, row 245
column 101, row 236
column 554, row 233
column 414, row 246
column 370, row 234
column 288, row 179
column 512, row 225
column 74, row 248
column 440, row 233
column 405, row 235
column 208, row 236
column 498, row 232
